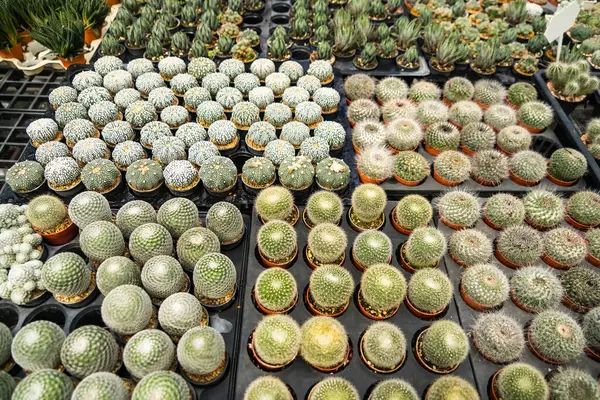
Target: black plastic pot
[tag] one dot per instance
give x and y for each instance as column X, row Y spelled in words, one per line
column 386, row 63
column 135, row 52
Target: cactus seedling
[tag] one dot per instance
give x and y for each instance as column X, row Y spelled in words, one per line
column 543, row 209
column 275, row 291
column 277, row 243
column 459, row 209
column 443, row 346
column 383, row 347
column 368, row 205
column 326, row 245
column 276, row 341
column 498, row 337
column 583, row 209
column 520, row 380
column 429, row 293
column 566, row 166
column 580, row 286
column 573, row 383
column 330, row 290
column 324, row 343
column 503, row 210
column 484, row 286
column 37, row 346
column 556, row 337
column 423, row 249
column 451, row 387
column 371, row 247
column 382, row 289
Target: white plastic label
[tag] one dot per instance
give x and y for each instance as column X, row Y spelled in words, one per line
column 562, row 21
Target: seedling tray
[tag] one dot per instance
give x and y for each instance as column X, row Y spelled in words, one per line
column 228, row 322
column 484, row 369
column 299, row 375
column 19, row 92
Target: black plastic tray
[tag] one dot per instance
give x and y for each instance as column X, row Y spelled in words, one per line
column 19, row 92
column 299, row 375
column 484, row 369
column 228, row 321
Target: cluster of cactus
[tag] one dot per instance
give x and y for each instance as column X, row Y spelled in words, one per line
column 543, row 209
column 556, row 336
column 424, row 248
column 444, row 344
column 276, row 290
column 382, row 289
column 429, row 290
column 571, row 81
column 498, row 337
column 276, row 340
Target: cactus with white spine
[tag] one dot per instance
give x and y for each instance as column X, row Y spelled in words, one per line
column 488, row 92
column 277, row 339
column 49, row 382
column 266, row 386
column 117, row 271
column 369, row 133
column 332, row 174
column 453, row 166
column 181, row 312
column 445, row 344
column 215, row 81
column 261, row 96
column 42, row 130
column 486, row 284
column 567, row 165
column 103, row 113
column 279, row 115
column 423, row 91
column 89, row 149
column 181, row 174
column 384, row 345
column 451, row 386
column 520, row 93
column 275, row 202
column 392, row 388
column 504, row 210
column 148, row 351
column 382, row 288
column 413, row 211
column 88, row 350
column 277, row 240
column 140, row 113
column 209, row 112
column 201, row 151
column 195, row 243
column 62, row 95
column 368, row 202
column 331, row 287
column 327, row 243
column 133, row 214
column 152, row 131
column 396, row 109
column 5, row 343
column 92, row 95
column 411, row 166
column 535, row 114
column 161, row 98
column 101, row 385
column 442, row 136
column 571, row 383
column 327, row 98
column 489, row 167
column 536, row 289
column 174, row 116
column 323, row 207
column 214, row 278
column 45, row 213
column 464, row 113
column 149, row 240
column 556, row 336
column 70, row 112
column 477, row 137
column 333, row 132
column 277, row 82
column 470, row 246
column 62, row 173
column 66, row 275
column 543, row 209
column 513, row 139
column 499, row 116
column 101, row 240
column 48, row 151
column 363, row 110
column 391, row 88
column 324, row 342
column 580, row 287
column 161, row 382
column 458, row 89
column 291, row 68
column 359, row 86
column 226, row 221
column 498, row 337
column 583, row 208
column 37, row 346
column 276, row 290
column 528, row 165
column 590, row 325
column 459, row 208
column 244, row 114
column 429, row 291
column 565, row 246
column 199, row 67
column 245, row 82
column 520, row 245
column 375, row 162
column 520, row 380
column 163, row 276
column 116, row 132
column 371, row 247
column 431, row 112
column 260, row 134
column 294, row 95
column 126, row 97
column 126, row 153
column 404, row 134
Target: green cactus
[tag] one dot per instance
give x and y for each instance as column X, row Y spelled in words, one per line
column 279, row 115
column 214, row 279
column 590, row 325
column 403, row 134
column 423, row 91
column 161, row 383
column 324, row 207
column 486, row 284
column 315, row 148
column 244, row 114
column 218, row 173
column 88, row 207
column 458, row 89
column 513, row 139
column 359, row 86
column 226, row 221
column 148, row 351
column 391, row 88
column 295, row 95
column 573, row 383
column 117, row 271
column 46, row 383
column 88, row 350
column 412, row 212
column 127, row 309
column 149, row 240
column 260, row 134
column 459, row 208
column 372, row 247
column 424, row 248
column 411, row 166
column 276, row 340
column 133, row 214
column 209, row 112
column 101, row 240
column 66, row 275
column 58, row 97
column 442, row 136
column 543, row 209
column 195, row 243
column 444, row 344
column 452, row 166
column 583, row 208
column 520, row 380
column 331, row 288
column 567, row 165
column 363, row 110
column 382, row 289
column 467, row 113
column 384, row 346
column 535, row 114
column 536, row 289
column 429, row 291
column 163, row 276
column 520, row 93
column 504, row 210
column 267, row 386
column 498, row 337
column 334, row 388
column 332, row 173
column 556, row 336
column 46, row 213
column 178, row 215
column 477, row 136
column 101, row 385
column 144, row 175
column 399, row 109
column 296, row 173
column 451, row 387
column 48, row 151
column 571, row 82
column 489, row 167
column 528, row 165
column 580, row 286
column 25, row 176
column 469, row 247
column 277, row 241
column 488, row 92
column 37, row 346
column 5, row 344
column 565, row 246
column 276, row 290
column 431, row 111
column 333, row 132
column 520, row 245
column 181, row 312
column 368, row 203
column 394, row 388
column 324, row 342
column 327, row 243
column 499, row 116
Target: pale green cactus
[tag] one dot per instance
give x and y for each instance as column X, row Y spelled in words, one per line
column 149, row 240
column 579, row 284
column 412, row 212
column 371, row 247
column 571, row 382
column 382, row 288
column 543, row 209
column 520, row 380
column 276, row 290
column 429, row 291
column 567, row 165
column 327, row 243
column 117, row 271
column 486, row 284
column 324, row 342
column 214, row 279
column 127, row 309
column 181, row 312
column 266, row 386
column 323, row 207
column 133, row 214
column 148, row 351
column 273, row 203
column 37, row 346
column 331, row 288
column 445, row 344
column 88, row 350
column 556, row 336
column 178, row 215
column 52, row 383
column 459, row 208
column 368, row 202
column 384, row 346
column 470, row 246
column 442, row 136
column 162, row 383
column 66, row 275
column 163, row 276
column 276, row 340
column 101, row 240
column 195, row 243
column 102, row 385
column 201, row 351
column 498, row 337
column 226, row 221
column 504, row 210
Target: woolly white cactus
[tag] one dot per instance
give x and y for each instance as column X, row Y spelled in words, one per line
column 231, row 67
column 202, row 151
column 180, row 174
column 116, row 132
column 139, row 66
column 278, row 114
column 279, row 150
column 92, row 95
column 191, row 133
column 90, row 149
column 126, row 97
column 152, row 131
column 175, row 116
column 86, row 79
column 140, row 113
column 161, row 98
column 69, row 112
column 262, row 96
column 171, row 66
column 107, row 64
column 229, row 97
column 209, row 112
column 118, row 80
column 42, row 130
column 148, row 81
column 167, row 149
column 246, row 82
column 223, row 134
column 214, row 82
column 183, row 82
column 49, row 151
column 79, row 129
column 310, row 83
column 327, row 98
column 62, row 95
column 62, row 173
column 126, row 153
column 195, row 96
column 201, row 66
column 294, row 95
column 292, row 69
column 262, row 67
column 322, row 70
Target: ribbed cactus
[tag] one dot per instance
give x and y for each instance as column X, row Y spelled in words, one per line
column 294, row 95
column 89, row 349
column 535, row 115
column 371, row 247
column 556, row 336
column 477, row 136
column 50, row 383
column 458, row 89
column 49, row 151
column 140, row 113
column 423, row 91
column 528, row 165
column 452, row 166
column 327, row 243
column 226, row 221
column 127, row 309
column 163, row 276
column 331, row 288
column 520, row 380
column 543, row 209
column 469, row 247
column 369, row 133
column 424, row 248
column 133, row 214
column 363, row 110
column 25, row 176
column 66, row 275
column 451, row 386
column 499, row 116
column 276, row 290
column 101, row 385
column 486, row 284
column 258, row 172
column 459, row 208
column 148, row 351
column 294, row 132
column 382, row 289
column 498, row 337
column 42, row 130
column 488, row 92
column 181, row 312
column 332, row 174
column 489, row 167
column 62, row 173
column 324, row 342
column 580, row 287
column 368, row 203
column 520, row 245
column 276, row 340
column 333, row 132
column 583, row 207
column 334, row 388
column 323, row 207
column 567, row 165
column 412, row 212
column 161, row 382
column 504, row 210
column 410, row 166
column 37, row 346
column 144, row 175
column 571, row 382
column 218, row 173
column 45, row 213
column 442, row 136
column 117, row 271
column 101, row 240
column 565, row 247
column 384, row 346
column 266, row 386
column 277, row 241
column 431, row 112
column 444, row 344
column 536, row 289
column 429, row 291
column 394, row 388
column 69, row 112
column 296, row 173
column 520, row 93
column 315, row 148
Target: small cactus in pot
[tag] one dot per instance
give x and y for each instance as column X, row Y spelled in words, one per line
column 403, row 134
column 484, row 286
column 582, row 210
column 37, row 346
column 535, row 116
column 363, row 110
column 275, row 291
column 148, row 351
column 323, row 206
column 68, row 278
column 149, row 240
column 371, row 247
column 368, row 205
column 296, row 173
column 410, row 168
column 451, row 168
column 218, row 175
column 451, row 386
column 276, row 202
column 555, row 337
column 88, row 207
column 382, row 289
column 423, row 249
column 459, row 209
column 144, row 176
column 266, row 386
column 535, row 289
column 215, row 280
column 25, row 176
column 329, row 291
column 389, row 388
column 489, row 167
column 277, row 243
column 563, row 248
column 543, row 209
column 503, row 210
column 62, row 174
column 48, row 217
column 226, row 221
column 519, row 380
column 258, row 173
column 177, row 216
column 412, row 212
column 442, row 346
column 440, row 137
column 101, row 240
column 580, row 286
column 375, row 164
column 527, row 168
column 326, row 245
column 566, row 166
column 43, row 130
column 572, row 382
column 275, row 341
column 160, row 381
column 498, row 337
column 117, row 271
column 468, row 247
column 429, row 293
column 383, row 347
column 324, row 343
column 179, row 313
column 519, row 246
column 163, row 276
column 477, row 136
column 101, row 384
column 88, row 350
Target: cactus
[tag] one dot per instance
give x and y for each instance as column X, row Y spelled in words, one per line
column 149, row 240
column 323, row 206
column 181, row 175
column 332, row 174
column 125, row 98
column 276, row 290
column 582, row 208
column 382, row 289
column 590, row 328
column 209, row 112
column 593, row 239
column 261, row 96
column 477, row 136
column 103, row 113
column 431, row 111
column 375, row 163
column 567, row 165
column 139, row 66
column 260, row 134
column 498, row 337
column 324, row 342
column 513, row 139
column 117, row 80
column 451, row 386
column 528, row 165
column 402, row 134
column 162, row 97
column 384, row 346
column 536, row 115
column 48, row 151
column 424, row 248
column 226, row 221
column 116, row 271
column 48, row 383
column 133, row 214
column 194, row 97
column 327, row 243
column 485, row 284
column 458, row 89
column 412, row 212
column 442, row 136
column 116, row 132
column 459, row 208
column 424, row 90
column 148, row 351
column 276, row 340
column 334, row 387
column 331, row 288
column 66, row 275
column 572, row 382
column 201, row 351
column 101, row 240
column 43, row 130
column 328, row 99
column 174, row 116
column 499, row 116
column 452, row 166
column 92, row 95
column 488, row 92
column 89, row 149
column 181, row 312
column 520, row 245
column 61, row 95
column 368, row 133
column 183, row 82
column 391, row 88
column 489, row 167
column 278, row 83
column 469, row 247
column 580, row 286
column 315, row 148
column 368, row 203
column 536, row 289
column 394, row 388
column 46, row 213
column 218, row 173
column 140, row 113
column 371, row 247
column 201, row 151
column 293, row 96
column 444, row 344
column 86, row 79
column 163, row 276
column 244, row 114
column 571, row 82
column 37, row 346
column 101, row 385
column 466, row 113
column 62, row 173
column 145, row 83
column 100, row 175
column 195, row 243
column 520, row 380
column 279, row 115
column 214, row 279
column 521, row 93
column 88, row 350
column 266, row 386
column 178, row 215
column 556, row 336
column 565, row 247
column 275, row 202
column 504, row 210
column 5, row 344
column 69, row 112
column 429, row 291
column 363, row 110
column 411, row 166
column 543, row 209
column 245, row 82
column 309, row 113
column 258, row 172
column 396, row 109
column 161, row 383
column 359, row 86
column 296, row 173
column 153, row 131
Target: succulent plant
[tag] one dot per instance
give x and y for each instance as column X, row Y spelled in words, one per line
column 398, row 109
column 555, row 336
column 127, row 309
column 43, row 130
column 25, row 176
column 469, row 247
column 369, row 133
column 275, row 290
column 148, row 351
column 225, row 220
column 488, row 92
column 66, row 275
column 275, row 202
column 327, row 243
column 46, row 213
column 161, row 383
column 331, row 288
column 424, row 90
column 266, row 386
column 520, row 245
column 513, row 139
column 567, row 165
column 504, row 210
column 452, row 386
column 590, row 328
column 116, row 271
column 101, row 385
column 48, row 151
column 429, row 291
column 371, row 247
column 580, row 285
column 149, row 240
column 276, row 340
column 442, row 136
column 498, row 337
column 467, row 113
column 133, row 214
column 535, row 115
column 338, row 387
column 218, row 173
column 565, row 247
column 593, row 239
column 582, row 208
column 459, row 208
column 363, row 110
column 571, row 81
column 458, row 89
column 375, row 162
column 86, row 79
column 489, row 167
column 315, row 148
column 359, row 86
column 570, row 382
column 214, row 279
column 178, row 215
column 46, row 382
column 499, row 116
column 520, row 380
column 62, row 95
column 485, row 284
column 388, row 388
column 117, row 80
column 382, row 289
column 452, row 166
column 79, row 129
column 66, row 113
column 384, row 346
column 125, row 98
column 181, row 312
column 88, row 350
column 140, row 113
column 444, row 344
column 324, row 342
column 296, row 173
column 245, row 82
column 92, row 95
column 410, row 166
column 529, row 166
column 324, row 207
column 543, row 209
column 163, row 276
column 101, row 240
column 368, row 203
column 536, row 289
column 37, row 346
column 412, row 212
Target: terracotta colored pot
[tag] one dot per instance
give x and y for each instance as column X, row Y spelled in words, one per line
column 449, row 224
column 270, row 264
column 593, row 260
column 264, row 365
column 427, row 366
column 14, row 52
column 431, row 150
column 529, row 128
column 574, row 307
column 521, row 181
column 470, row 302
column 265, row 311
column 113, row 2
column 90, row 35
column 365, row 179
column 578, row 225
column 62, row 237
column 80, row 59
column 397, row 226
column 405, row 182
column 504, row 261
column 466, row 150
column 443, row 181
column 553, row 263
column 559, row 182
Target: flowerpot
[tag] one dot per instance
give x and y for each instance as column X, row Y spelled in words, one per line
column 222, row 193
column 431, row 150
column 490, row 223
column 313, row 58
column 271, row 264
column 444, row 181
column 440, row 69
column 518, row 303
column 504, row 261
column 136, row 52
column 593, row 260
column 373, row 314
column 553, row 263
column 464, row 148
column 365, row 179
column 14, row 52
column 314, row 310
column 538, row 355
column 558, row 182
column 344, row 56
column 61, row 237
column 263, row 365
column 421, row 314
column 66, row 63
column 493, row 394
column 70, row 191
column 470, row 302
column 335, row 369
column 224, row 303
column 418, row 351
column 521, row 181
column 90, row 35
column 592, row 353
column 113, row 2
column 360, row 226
column 529, row 128
column 313, row 263
column 407, row 183
column 451, row 225
column 578, row 225
column 184, row 192
column 484, row 182
column 205, row 381
column 387, row 63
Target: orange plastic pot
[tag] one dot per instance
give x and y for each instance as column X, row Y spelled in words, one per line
column 66, row 63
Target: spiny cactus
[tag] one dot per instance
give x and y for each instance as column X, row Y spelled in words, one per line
column 266, row 386
column 431, row 111
column 331, row 288
column 520, row 93
column 535, row 115
column 382, row 289
column 429, row 291
column 489, row 167
column 273, row 203
column 384, row 346
column 411, row 167
column 209, row 112
column 327, row 243
column 398, row 109
column 520, row 380
column 276, row 340
column 403, row 134
column 89, row 349
column 477, row 136
column 444, row 345
column 46, row 213
column 333, row 132
column 590, row 324
column 359, row 86
column 226, row 221
column 504, row 210
column 567, row 165
column 580, row 288
column 458, row 89
column 572, row 382
column 486, row 284
column 161, row 382
column 371, row 247
column 499, row 116
column 163, row 276
column 536, row 289
column 459, row 208
column 412, row 212
column 363, row 110
column 315, row 148
column 66, row 275
column 423, row 91
column 391, row 388
column 101, row 385
column 48, row 382
column 582, row 207
column 391, row 88
column 133, row 214
column 149, row 240
column 555, row 336
column 543, row 209
column 296, row 173
column 368, row 133
column 37, row 346
column 469, row 247
column 452, row 167
column 519, row 245
column 117, row 271
column 375, row 163
column 127, row 309
column 513, row 139
column 324, row 342
column 571, row 82
column 464, row 113
column 62, row 173
column 101, row 240
column 276, row 290
column 528, row 166
column 498, row 337
column 441, row 136
column 368, row 203
column 488, row 92
column 214, row 279
column 565, row 247
column 334, row 387
column 279, row 114
column 424, row 248
column 451, row 386
column 323, row 207
column 148, row 351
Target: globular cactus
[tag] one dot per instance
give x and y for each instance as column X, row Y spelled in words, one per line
column 51, row 383
column 459, row 208
column 334, row 388
column 465, row 113
column 181, row 312
column 363, row 110
column 66, row 275
column 489, row 167
column 331, row 288
column 555, row 336
column 294, row 132
column 327, row 243
column 445, row 344
column 278, row 82
column 218, row 173
column 423, row 91
column 244, row 114
column 163, row 276
column 294, row 95
column 315, row 148
column 37, row 346
column 368, row 202
column 499, row 116
column 384, row 346
column 62, row 95
column 277, row 241
column 498, row 337
column 25, row 176
column 324, row 342
column 126, row 153
column 536, row 289
column 214, row 279
column 162, row 97
column 266, row 386
column 371, row 247
column 535, row 115
column 117, row 271
column 412, row 212
column 62, row 173
column 148, row 351
column 394, row 388
column 452, row 166
column 398, row 109
column 333, row 132
column 451, row 386
column 520, row 93
column 520, row 380
column 258, row 172
column 590, row 325
column 195, row 243
column 5, row 343
column 101, row 240
column 181, row 175
column 296, row 173
column 144, row 175
column 178, row 215
column 580, row 287
column 410, row 166
column 504, row 210
column 382, row 289
column 565, row 247
column 572, row 383
column 140, row 113
column 567, row 165
column 46, row 213
column 520, row 245
column 593, row 239
column 469, row 247
column 488, row 92
column 424, row 248
column 359, row 86
column 477, row 136
column 133, row 214
column 291, row 68
column 260, row 134
column 127, row 309
column 431, row 111
column 226, row 221
column 116, row 132
column 332, row 174
column 245, row 82
column 543, row 209
column 89, row 349
column 101, row 385
column 89, row 149
column 161, row 382
column 442, row 136
column 404, row 134
column 261, row 96
column 513, row 139
column 209, row 112
column 49, row 151
column 583, row 207
column 368, row 133
column 124, row 98
column 149, row 240
column 168, row 149
column 276, row 290
column 276, row 340
column 528, row 165
column 223, row 134
column 375, row 162
column 42, row 130
column 429, row 291
column 486, row 284
column 391, row 88
column 323, row 207
column 69, row 112
column 458, row 89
